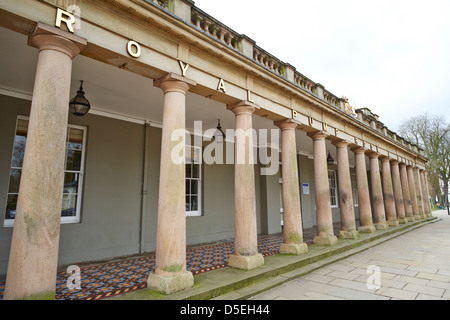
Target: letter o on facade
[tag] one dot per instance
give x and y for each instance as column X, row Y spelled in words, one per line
column 134, row 49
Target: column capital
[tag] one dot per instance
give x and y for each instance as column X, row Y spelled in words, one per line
column 243, row 107
column 173, row 82
column 359, row 150
column 46, row 37
column 341, row 143
column 287, row 124
column 384, row 158
column 318, row 135
column 395, row 162
column 373, row 155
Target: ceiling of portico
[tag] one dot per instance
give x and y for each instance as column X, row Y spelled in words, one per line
column 120, row 92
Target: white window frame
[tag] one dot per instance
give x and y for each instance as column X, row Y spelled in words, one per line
column 198, row 212
column 64, row 220
column 354, row 190
column 333, row 189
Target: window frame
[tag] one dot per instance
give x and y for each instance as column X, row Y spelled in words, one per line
column 198, row 212
column 334, row 189
column 64, row 219
column 354, row 190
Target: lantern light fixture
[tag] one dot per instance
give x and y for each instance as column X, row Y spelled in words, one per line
column 79, row 105
column 219, row 135
column 330, row 159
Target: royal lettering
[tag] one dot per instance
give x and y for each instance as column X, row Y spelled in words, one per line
column 184, row 68
column 67, row 18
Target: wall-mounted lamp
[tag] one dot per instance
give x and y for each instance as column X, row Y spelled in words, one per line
column 219, row 135
column 79, row 105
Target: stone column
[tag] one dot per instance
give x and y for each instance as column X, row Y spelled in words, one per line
column 419, row 193
column 388, row 193
column 406, row 193
column 425, row 194
column 325, row 230
column 246, row 254
column 348, row 224
column 379, row 214
column 412, row 191
column 292, row 216
column 170, row 265
column 398, row 193
column 365, row 210
column 35, row 240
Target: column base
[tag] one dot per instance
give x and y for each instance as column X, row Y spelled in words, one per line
column 296, row 249
column 367, row 229
column 429, row 215
column 394, row 223
column 325, row 241
column 381, row 226
column 349, row 234
column 403, row 220
column 246, row 262
column 170, row 284
column 410, row 218
column 417, row 217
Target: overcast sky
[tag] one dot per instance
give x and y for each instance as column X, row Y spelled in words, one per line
column 391, row 56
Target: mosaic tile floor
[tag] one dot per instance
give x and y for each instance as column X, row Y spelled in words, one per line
column 113, row 278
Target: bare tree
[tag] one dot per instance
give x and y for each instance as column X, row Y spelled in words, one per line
column 432, row 134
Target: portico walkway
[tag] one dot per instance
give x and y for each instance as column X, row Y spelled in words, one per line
column 123, row 276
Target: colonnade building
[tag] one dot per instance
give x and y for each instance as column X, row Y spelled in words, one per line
column 147, row 168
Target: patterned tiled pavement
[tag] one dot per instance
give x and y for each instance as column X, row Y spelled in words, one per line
column 109, row 279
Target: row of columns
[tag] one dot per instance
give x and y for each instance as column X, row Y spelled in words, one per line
column 34, row 248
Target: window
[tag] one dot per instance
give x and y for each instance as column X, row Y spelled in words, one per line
column 354, row 190
column 73, row 173
column 333, row 188
column 193, row 181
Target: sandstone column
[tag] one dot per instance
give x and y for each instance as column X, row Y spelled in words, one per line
column 426, row 195
column 419, row 192
column 325, row 230
column 412, row 191
column 379, row 214
column 246, row 254
column 35, row 241
column 170, row 265
column 406, row 193
column 292, row 216
column 348, row 224
column 398, row 193
column 388, row 193
column 365, row 210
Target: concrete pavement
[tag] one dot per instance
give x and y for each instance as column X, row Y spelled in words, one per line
column 412, row 266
